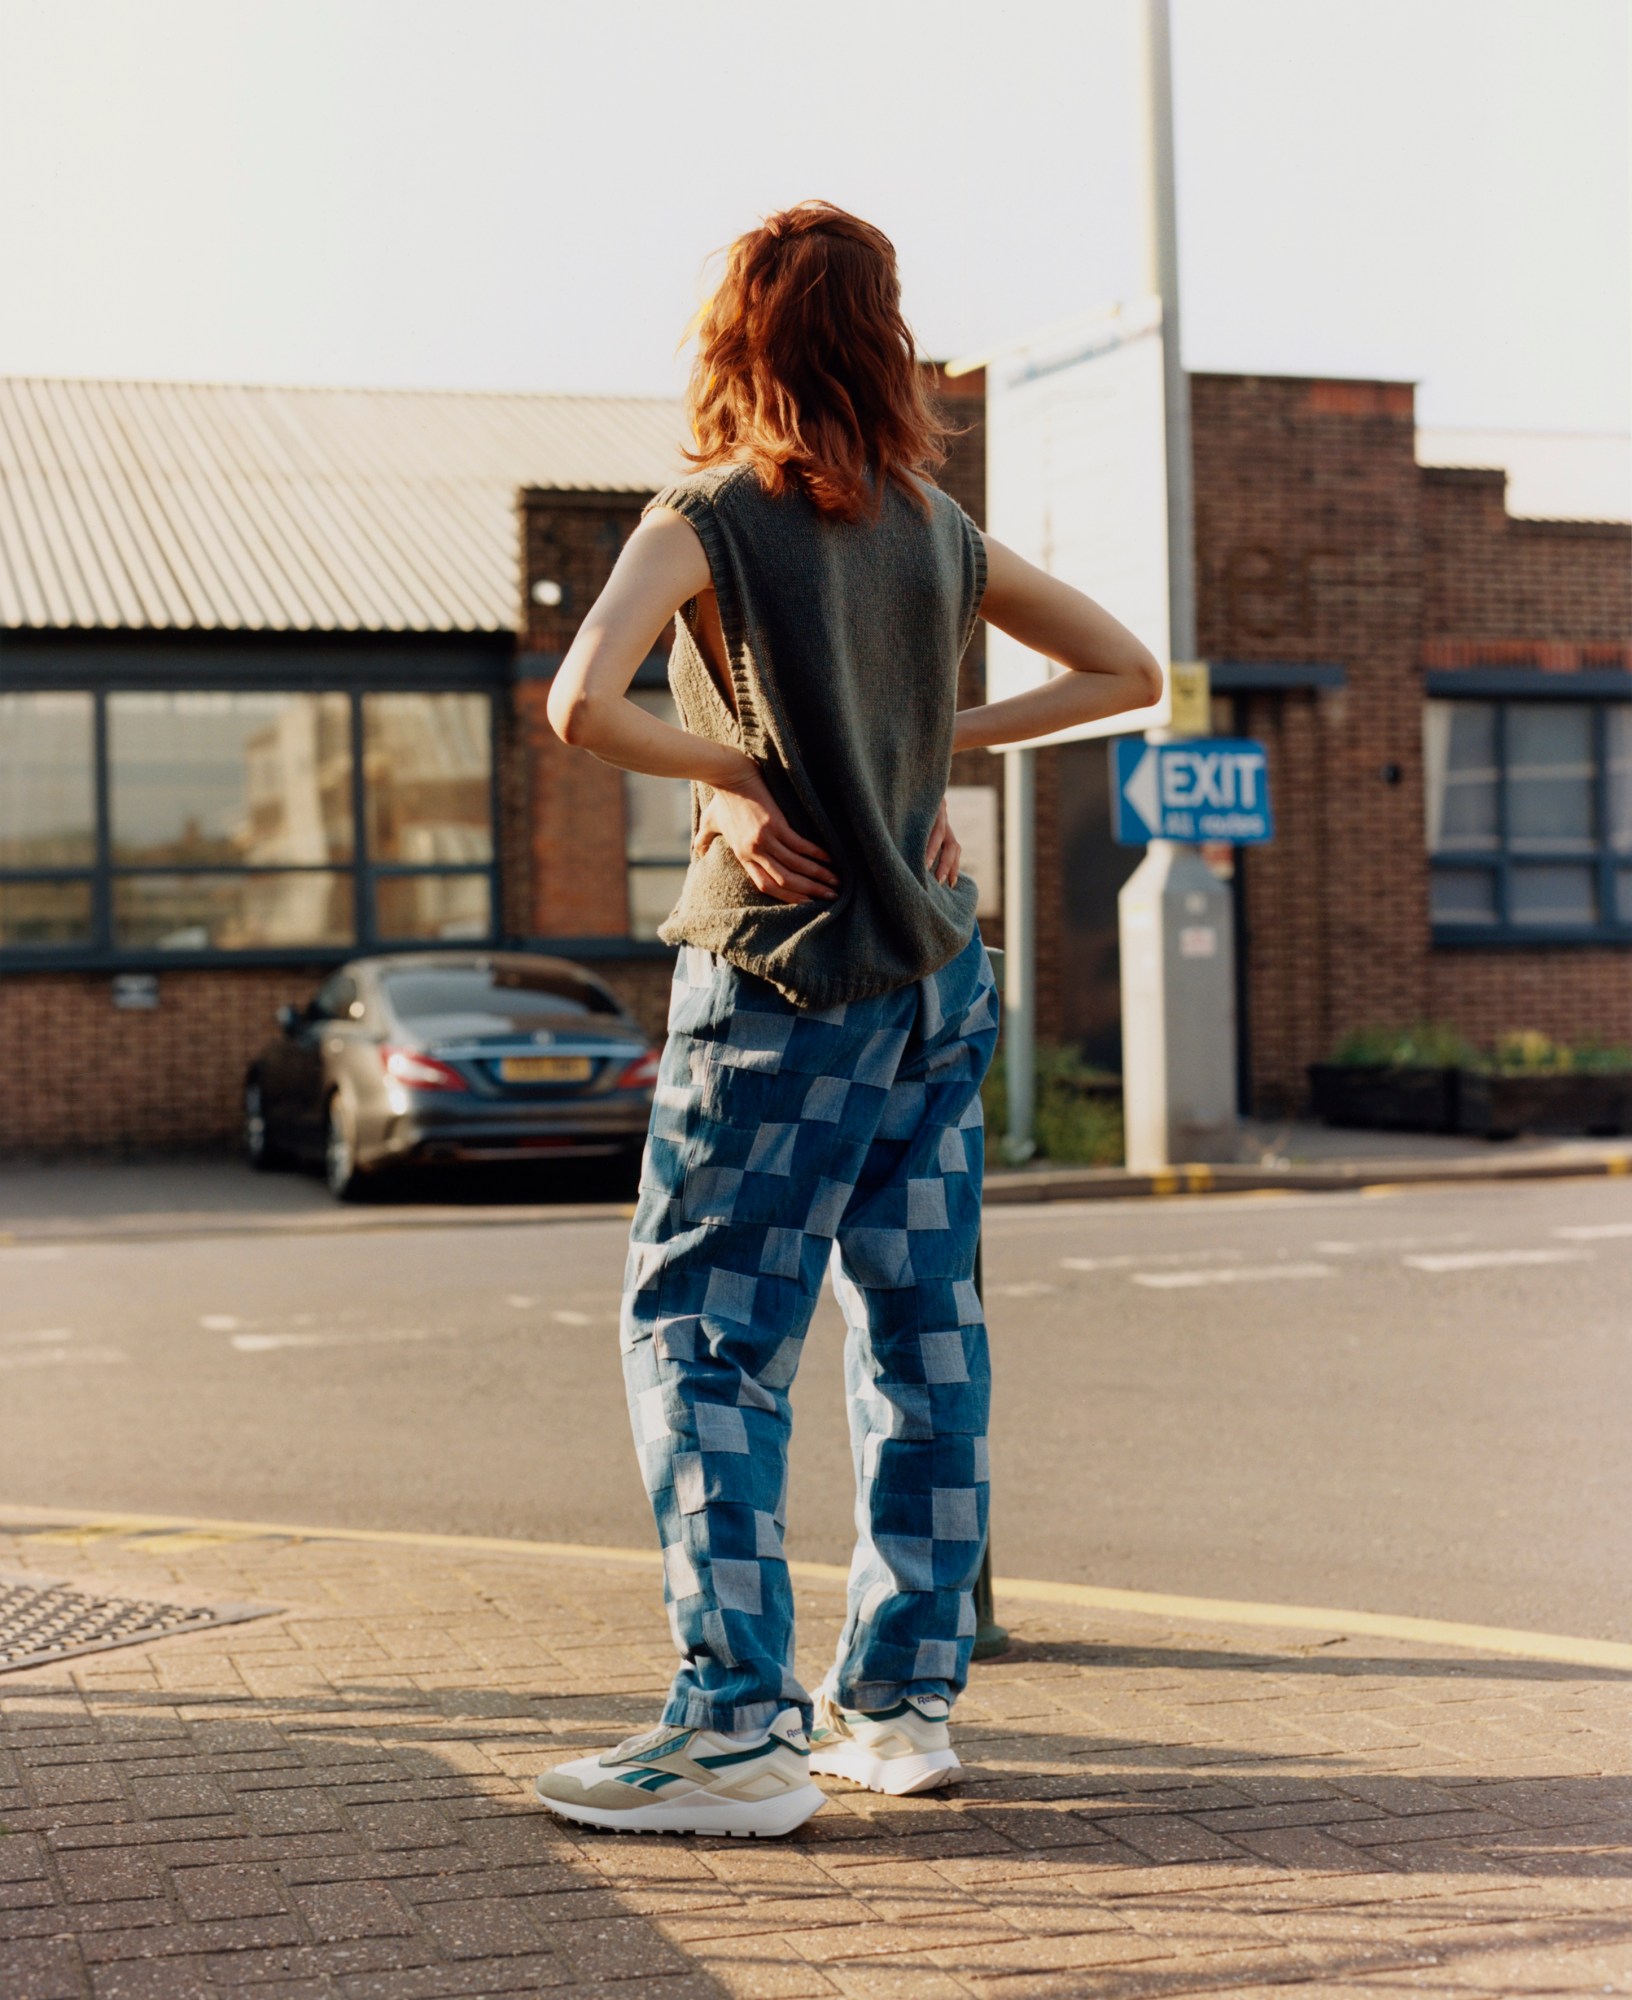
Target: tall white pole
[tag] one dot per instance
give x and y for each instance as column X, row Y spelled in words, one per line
column 1174, row 919
column 1162, row 277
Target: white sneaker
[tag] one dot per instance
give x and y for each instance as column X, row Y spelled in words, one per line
column 691, row 1781
column 907, row 1748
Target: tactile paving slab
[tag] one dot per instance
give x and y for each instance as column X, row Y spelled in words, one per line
column 43, row 1622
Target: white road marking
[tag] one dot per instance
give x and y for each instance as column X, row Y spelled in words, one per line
column 1340, row 1249
column 573, row 1318
column 1591, row 1232
column 264, row 1343
column 1035, row 1289
column 1125, row 1260
column 39, row 1357
column 520, row 1300
column 1486, row 1260
column 219, row 1322
column 44, row 1333
column 1232, row 1274
column 34, row 1253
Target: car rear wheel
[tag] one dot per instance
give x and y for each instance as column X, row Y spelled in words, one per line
column 257, row 1133
column 340, row 1153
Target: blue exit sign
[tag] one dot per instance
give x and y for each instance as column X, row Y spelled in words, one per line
column 1210, row 788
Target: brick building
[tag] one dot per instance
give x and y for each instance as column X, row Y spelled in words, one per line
column 272, row 678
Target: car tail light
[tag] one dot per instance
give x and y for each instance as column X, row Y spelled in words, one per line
column 641, row 1074
column 416, row 1072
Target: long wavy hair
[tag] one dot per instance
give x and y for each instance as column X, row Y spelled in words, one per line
column 806, row 369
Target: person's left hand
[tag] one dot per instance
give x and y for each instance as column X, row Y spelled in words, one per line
column 943, row 853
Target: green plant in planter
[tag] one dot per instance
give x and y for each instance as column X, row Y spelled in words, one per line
column 1425, row 1045
column 1079, row 1119
column 1528, row 1052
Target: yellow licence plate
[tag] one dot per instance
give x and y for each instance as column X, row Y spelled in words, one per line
column 546, row 1069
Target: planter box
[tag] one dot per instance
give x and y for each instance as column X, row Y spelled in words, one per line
column 1498, row 1107
column 1380, row 1098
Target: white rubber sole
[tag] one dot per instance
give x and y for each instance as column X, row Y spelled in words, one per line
column 899, row 1776
column 741, row 1819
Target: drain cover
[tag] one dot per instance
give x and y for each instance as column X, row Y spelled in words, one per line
column 40, row 1623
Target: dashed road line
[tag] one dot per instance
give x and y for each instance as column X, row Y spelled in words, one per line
column 1231, row 1274
column 1592, row 1232
column 1492, row 1260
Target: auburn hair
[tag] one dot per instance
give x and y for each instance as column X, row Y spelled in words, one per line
column 805, row 368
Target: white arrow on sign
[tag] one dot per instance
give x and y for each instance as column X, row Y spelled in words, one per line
column 1140, row 790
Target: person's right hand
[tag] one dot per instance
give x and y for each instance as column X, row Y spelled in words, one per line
column 779, row 862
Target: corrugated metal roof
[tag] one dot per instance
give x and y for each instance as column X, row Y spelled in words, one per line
column 205, row 507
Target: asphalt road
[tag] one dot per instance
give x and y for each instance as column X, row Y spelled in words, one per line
column 1406, row 1403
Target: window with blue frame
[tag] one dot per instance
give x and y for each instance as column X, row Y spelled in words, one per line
column 187, row 823
column 1529, row 807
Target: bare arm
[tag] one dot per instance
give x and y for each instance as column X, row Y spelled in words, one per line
column 661, row 568
column 1110, row 670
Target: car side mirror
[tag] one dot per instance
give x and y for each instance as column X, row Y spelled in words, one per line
column 289, row 1019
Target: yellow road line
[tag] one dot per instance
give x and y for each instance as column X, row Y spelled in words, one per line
column 167, row 1533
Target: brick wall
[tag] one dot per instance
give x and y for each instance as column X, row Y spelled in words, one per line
column 1550, row 594
column 1309, row 548
column 1319, row 539
column 572, row 856
column 87, row 1078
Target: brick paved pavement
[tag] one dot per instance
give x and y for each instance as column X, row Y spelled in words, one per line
column 331, row 1805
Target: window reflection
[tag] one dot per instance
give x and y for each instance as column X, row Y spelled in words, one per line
column 1459, row 746
column 1552, row 777
column 232, row 912
column 1618, row 748
column 47, row 781
column 427, row 765
column 40, row 914
column 257, row 780
column 409, row 908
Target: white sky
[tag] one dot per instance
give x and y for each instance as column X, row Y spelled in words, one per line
column 520, row 193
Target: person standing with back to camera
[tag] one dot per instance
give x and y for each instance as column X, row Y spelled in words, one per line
column 833, row 1016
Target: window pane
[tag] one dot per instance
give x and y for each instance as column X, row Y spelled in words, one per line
column 47, row 785
column 653, row 893
column 230, row 779
column 231, row 912
column 44, row 913
column 1462, row 896
column 427, row 763
column 1623, row 895
column 432, row 906
column 1552, row 895
column 1618, row 733
column 1551, row 779
column 657, row 811
column 1459, row 748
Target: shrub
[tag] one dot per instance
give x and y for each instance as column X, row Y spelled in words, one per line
column 1426, row 1045
column 1528, row 1052
column 1079, row 1110
column 1520, row 1052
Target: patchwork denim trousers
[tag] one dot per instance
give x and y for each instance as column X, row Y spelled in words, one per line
column 785, row 1140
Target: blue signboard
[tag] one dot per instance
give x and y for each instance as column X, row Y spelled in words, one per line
column 1208, row 788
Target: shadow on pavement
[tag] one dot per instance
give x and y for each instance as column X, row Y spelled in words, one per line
column 376, row 1840
column 1322, row 1659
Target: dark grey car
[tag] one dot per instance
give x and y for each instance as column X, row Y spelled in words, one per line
column 434, row 1057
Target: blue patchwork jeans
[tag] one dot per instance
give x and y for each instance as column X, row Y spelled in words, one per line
column 784, row 1140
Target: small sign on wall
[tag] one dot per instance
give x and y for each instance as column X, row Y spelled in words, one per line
column 972, row 809
column 136, row 992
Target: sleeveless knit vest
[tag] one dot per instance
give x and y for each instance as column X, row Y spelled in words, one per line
column 843, row 641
